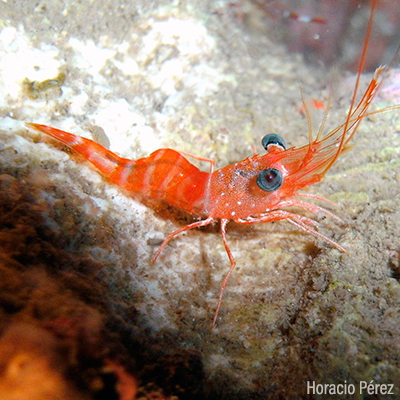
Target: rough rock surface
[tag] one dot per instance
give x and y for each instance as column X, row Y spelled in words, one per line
column 76, row 252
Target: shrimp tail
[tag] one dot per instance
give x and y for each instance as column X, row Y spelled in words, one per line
column 98, row 155
column 164, row 175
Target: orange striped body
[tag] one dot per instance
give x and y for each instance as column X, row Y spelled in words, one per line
column 232, row 192
column 164, row 175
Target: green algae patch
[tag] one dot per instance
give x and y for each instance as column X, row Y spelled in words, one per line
column 350, row 197
column 46, row 88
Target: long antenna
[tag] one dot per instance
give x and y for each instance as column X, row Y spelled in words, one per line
column 356, row 86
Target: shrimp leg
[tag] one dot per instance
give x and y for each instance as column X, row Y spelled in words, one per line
column 299, row 221
column 197, row 224
column 212, row 162
column 232, row 260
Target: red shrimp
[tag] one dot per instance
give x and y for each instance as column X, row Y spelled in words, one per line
column 256, row 190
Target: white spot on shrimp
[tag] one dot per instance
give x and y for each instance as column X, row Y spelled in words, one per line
column 77, row 140
column 233, row 213
column 239, row 203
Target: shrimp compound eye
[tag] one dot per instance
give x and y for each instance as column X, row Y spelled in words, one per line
column 270, row 179
column 273, row 138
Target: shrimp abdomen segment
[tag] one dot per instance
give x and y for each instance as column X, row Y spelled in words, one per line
column 169, row 176
column 164, row 175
